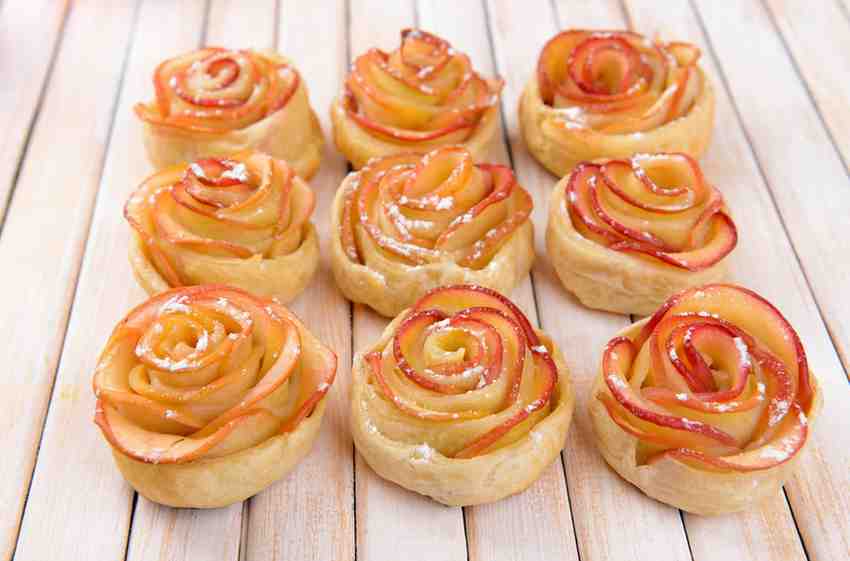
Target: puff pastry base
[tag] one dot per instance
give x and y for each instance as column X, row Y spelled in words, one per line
column 459, row 482
column 389, row 287
column 675, row 483
column 559, row 149
column 282, row 278
column 292, row 134
column 218, row 482
column 605, row 279
column 359, row 146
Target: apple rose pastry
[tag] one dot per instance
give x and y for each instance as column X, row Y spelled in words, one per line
column 405, row 224
column 422, row 95
column 707, row 404
column 213, row 102
column 611, row 94
column 625, row 235
column 241, row 221
column 208, row 394
column 461, row 399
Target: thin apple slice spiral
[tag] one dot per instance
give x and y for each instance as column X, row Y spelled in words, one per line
column 423, row 91
column 440, row 207
column 658, row 207
column 617, row 82
column 218, row 90
column 717, row 379
column 205, row 372
column 248, row 207
column 464, row 373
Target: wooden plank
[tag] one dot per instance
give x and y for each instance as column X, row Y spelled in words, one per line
column 519, row 527
column 42, row 244
column 765, row 261
column 391, row 521
column 37, row 25
column 795, row 156
column 819, row 39
column 310, row 514
column 796, row 162
column 611, row 517
column 178, row 533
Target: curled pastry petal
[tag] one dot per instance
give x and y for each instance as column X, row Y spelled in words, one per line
column 707, row 404
column 407, row 223
column 214, row 101
column 625, row 235
column 461, row 399
column 422, row 95
column 611, row 94
column 208, row 394
column 243, row 220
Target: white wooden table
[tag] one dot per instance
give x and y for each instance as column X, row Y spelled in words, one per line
column 71, row 152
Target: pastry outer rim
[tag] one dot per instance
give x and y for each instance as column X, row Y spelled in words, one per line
column 300, row 266
column 610, row 280
column 217, row 482
column 399, row 286
column 462, row 482
column 168, row 145
column 690, row 133
column 678, row 484
column 360, row 146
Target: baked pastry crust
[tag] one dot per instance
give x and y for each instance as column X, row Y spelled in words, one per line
column 419, row 97
column 433, row 220
column 208, row 394
column 706, row 452
column 646, row 241
column 241, row 221
column 575, row 126
column 457, row 461
column 215, row 102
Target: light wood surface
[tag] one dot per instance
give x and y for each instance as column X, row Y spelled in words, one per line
column 71, row 153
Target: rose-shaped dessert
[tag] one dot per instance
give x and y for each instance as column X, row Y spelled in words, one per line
column 706, row 405
column 405, row 224
column 213, row 102
column 423, row 95
column 611, row 94
column 625, row 235
column 461, row 399
column 241, row 220
column 208, row 394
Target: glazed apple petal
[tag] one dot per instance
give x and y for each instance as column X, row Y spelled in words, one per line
column 617, row 82
column 247, row 206
column 217, row 90
column 657, row 207
column 461, row 374
column 440, row 207
column 716, row 379
column 271, row 376
column 422, row 91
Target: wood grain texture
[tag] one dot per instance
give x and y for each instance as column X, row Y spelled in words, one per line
column 310, row 513
column 393, row 522
column 819, row 40
column 36, row 24
column 519, row 527
column 72, row 153
column 611, row 517
column 43, row 242
column 796, row 161
column 67, row 465
column 765, row 261
column 809, row 185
